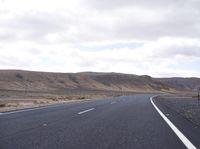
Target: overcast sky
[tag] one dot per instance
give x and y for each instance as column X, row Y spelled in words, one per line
column 160, row 38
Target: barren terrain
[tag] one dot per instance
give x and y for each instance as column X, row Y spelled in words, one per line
column 20, row 89
column 188, row 107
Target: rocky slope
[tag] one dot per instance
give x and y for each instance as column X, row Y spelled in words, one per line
column 46, row 81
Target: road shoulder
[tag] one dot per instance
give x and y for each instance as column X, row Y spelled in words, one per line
column 189, row 129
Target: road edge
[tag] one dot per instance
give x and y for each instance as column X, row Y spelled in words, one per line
column 179, row 134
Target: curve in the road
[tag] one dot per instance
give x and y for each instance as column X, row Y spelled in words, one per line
column 180, row 135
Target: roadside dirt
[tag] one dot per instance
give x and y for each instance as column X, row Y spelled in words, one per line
column 14, row 100
column 189, row 107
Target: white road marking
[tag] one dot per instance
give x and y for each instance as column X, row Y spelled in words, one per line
column 44, row 124
column 12, row 112
column 1, row 113
column 113, row 103
column 180, row 135
column 86, row 111
column 31, row 109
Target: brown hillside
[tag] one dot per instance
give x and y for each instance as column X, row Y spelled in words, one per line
column 37, row 81
column 46, row 81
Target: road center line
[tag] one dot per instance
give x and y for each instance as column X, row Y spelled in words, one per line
column 113, row 103
column 180, row 135
column 86, row 111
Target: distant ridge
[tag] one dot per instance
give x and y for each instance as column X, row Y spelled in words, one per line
column 48, row 81
column 191, row 83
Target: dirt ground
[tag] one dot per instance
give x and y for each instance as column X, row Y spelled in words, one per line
column 13, row 100
column 189, row 107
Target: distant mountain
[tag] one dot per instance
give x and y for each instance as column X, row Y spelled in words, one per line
column 46, row 81
column 182, row 83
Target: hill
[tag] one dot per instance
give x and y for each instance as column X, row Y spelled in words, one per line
column 190, row 84
column 46, row 81
column 22, row 89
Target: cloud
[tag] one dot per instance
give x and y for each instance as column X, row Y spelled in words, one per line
column 157, row 58
column 141, row 37
column 130, row 20
column 108, row 4
column 172, row 47
column 33, row 26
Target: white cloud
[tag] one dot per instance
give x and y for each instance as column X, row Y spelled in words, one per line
column 146, row 59
column 76, row 21
column 53, row 35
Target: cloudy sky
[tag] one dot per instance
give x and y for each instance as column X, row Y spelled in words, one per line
column 160, row 38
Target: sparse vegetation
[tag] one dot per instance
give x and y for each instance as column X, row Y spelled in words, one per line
column 81, row 98
column 62, row 82
column 19, row 76
column 2, row 105
column 48, row 88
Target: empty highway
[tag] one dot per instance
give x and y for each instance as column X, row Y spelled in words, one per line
column 125, row 122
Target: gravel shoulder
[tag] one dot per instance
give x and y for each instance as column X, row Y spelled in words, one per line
column 188, row 107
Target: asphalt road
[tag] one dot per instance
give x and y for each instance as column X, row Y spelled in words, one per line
column 120, row 123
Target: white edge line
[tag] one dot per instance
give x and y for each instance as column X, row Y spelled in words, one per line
column 31, row 109
column 180, row 135
column 86, row 111
column 19, row 111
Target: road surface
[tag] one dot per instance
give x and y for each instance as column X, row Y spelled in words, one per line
column 119, row 123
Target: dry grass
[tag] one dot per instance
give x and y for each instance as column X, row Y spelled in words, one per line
column 13, row 100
